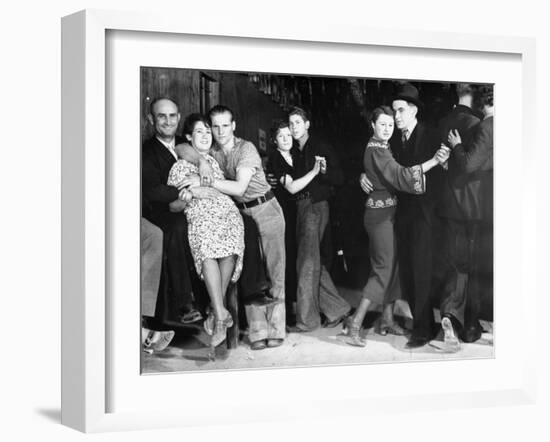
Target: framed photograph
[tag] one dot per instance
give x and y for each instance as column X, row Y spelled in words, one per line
column 114, row 67
column 339, row 110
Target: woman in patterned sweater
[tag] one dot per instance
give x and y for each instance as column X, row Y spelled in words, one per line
column 387, row 177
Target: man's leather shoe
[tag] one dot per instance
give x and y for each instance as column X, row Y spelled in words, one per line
column 417, row 342
column 295, row 329
column 471, row 333
column 274, row 342
column 258, row 345
column 191, row 317
column 157, row 340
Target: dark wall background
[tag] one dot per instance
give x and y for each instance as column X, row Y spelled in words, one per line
column 182, row 85
column 339, row 109
column 253, row 109
column 339, row 106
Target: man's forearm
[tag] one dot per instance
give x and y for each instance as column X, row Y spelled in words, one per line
column 233, row 188
column 161, row 193
column 186, row 151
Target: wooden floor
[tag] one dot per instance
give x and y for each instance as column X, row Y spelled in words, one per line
column 321, row 347
column 189, row 350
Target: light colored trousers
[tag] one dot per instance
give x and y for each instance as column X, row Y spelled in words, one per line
column 269, row 321
column 316, row 292
column 151, row 261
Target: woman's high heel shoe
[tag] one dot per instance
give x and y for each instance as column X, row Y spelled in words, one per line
column 354, row 334
column 220, row 330
column 209, row 323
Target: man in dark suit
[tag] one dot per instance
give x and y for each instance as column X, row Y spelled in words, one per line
column 467, row 208
column 161, row 205
column 415, row 143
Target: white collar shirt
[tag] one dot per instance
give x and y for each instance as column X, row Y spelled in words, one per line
column 170, row 146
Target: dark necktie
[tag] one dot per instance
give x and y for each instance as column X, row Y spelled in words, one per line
column 404, row 137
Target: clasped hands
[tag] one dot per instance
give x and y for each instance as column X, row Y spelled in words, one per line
column 193, row 185
column 319, row 164
column 442, row 154
column 316, row 169
column 199, row 185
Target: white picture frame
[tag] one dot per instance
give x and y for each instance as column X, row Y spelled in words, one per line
column 86, row 354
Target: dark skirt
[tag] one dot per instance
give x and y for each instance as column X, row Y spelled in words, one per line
column 383, row 284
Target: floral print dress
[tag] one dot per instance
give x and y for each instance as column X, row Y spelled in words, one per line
column 215, row 225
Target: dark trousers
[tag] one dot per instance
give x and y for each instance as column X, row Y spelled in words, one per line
column 176, row 285
column 254, row 280
column 289, row 211
column 415, row 254
column 465, row 258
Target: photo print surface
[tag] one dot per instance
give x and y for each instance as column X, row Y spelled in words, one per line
column 292, row 220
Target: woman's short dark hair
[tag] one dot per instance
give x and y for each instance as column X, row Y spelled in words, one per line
column 192, row 120
column 277, row 126
column 380, row 110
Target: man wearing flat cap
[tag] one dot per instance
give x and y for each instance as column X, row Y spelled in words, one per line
column 415, row 143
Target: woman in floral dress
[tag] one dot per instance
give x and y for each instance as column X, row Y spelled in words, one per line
column 386, row 176
column 216, row 234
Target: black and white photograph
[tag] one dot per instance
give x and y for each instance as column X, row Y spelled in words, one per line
column 303, row 220
column 275, row 222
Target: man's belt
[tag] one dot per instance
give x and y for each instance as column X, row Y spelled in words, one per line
column 302, row 196
column 269, row 195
